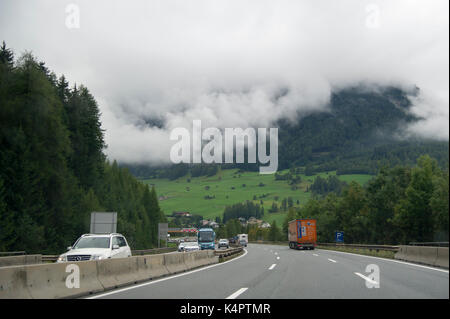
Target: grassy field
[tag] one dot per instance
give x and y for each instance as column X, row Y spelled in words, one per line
column 229, row 187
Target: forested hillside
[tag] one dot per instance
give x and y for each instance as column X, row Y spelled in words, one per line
column 356, row 135
column 53, row 171
column 401, row 204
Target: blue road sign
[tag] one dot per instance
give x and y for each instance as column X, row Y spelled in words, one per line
column 339, row 236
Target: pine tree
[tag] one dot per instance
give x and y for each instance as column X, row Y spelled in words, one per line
column 439, row 206
column 6, row 56
column 86, row 135
column 53, row 172
column 414, row 213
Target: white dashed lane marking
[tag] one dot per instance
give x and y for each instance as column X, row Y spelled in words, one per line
column 366, row 278
column 237, row 293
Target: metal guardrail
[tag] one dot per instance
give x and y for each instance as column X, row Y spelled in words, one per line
column 237, row 248
column 12, row 253
column 53, row 258
column 351, row 246
column 49, row 258
column 220, row 253
column 228, row 252
column 431, row 244
column 153, row 251
column 361, row 246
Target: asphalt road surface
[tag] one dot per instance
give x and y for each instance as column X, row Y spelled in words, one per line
column 277, row 272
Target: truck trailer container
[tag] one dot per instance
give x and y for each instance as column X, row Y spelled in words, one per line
column 302, row 234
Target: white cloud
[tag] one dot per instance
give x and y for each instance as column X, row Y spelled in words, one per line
column 224, row 62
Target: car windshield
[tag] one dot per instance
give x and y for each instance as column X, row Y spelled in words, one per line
column 205, row 236
column 92, row 242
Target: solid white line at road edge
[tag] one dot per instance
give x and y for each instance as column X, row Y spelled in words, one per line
column 315, row 255
column 366, row 278
column 236, row 294
column 272, row 267
column 332, row 260
column 166, row 278
column 387, row 259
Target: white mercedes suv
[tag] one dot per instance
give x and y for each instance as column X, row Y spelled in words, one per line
column 97, row 247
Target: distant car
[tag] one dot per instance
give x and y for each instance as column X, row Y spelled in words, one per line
column 181, row 246
column 232, row 240
column 191, row 246
column 97, row 247
column 224, row 243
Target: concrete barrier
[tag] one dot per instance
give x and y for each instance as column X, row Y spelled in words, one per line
column 433, row 256
column 175, row 262
column 412, row 254
column 442, row 257
column 212, row 258
column 191, row 259
column 151, row 267
column 209, row 258
column 20, row 260
column 113, row 273
column 196, row 259
column 13, row 283
column 401, row 253
column 49, row 281
column 427, row 255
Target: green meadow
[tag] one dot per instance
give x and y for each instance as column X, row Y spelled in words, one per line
column 228, row 187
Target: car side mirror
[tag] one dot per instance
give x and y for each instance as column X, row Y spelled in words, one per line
column 69, row 248
column 115, row 247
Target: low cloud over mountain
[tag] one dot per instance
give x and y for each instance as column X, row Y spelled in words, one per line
column 156, row 65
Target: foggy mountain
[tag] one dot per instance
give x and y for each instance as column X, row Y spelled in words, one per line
column 360, row 130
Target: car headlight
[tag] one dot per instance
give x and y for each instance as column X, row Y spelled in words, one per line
column 62, row 258
column 97, row 257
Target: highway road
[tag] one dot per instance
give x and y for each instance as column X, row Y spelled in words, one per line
column 277, row 272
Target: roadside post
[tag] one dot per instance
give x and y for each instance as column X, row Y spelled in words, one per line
column 162, row 233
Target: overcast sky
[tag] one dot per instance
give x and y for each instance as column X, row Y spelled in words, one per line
column 226, row 61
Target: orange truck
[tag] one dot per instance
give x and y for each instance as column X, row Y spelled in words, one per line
column 302, row 234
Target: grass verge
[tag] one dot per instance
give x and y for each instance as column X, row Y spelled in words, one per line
column 361, row 251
